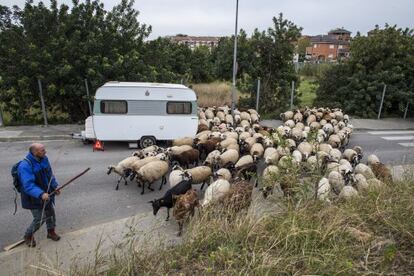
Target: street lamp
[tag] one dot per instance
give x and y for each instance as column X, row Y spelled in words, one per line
column 233, row 89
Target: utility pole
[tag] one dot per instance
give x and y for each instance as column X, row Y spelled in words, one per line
column 87, row 94
column 382, row 101
column 42, row 101
column 405, row 112
column 233, row 89
column 1, row 117
column 291, row 95
column 258, row 95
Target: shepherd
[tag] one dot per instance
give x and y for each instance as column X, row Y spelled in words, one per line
column 37, row 183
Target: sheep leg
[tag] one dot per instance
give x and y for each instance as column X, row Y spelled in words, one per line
column 149, row 187
column 125, row 180
column 163, row 181
column 180, row 228
column 132, row 176
column 143, row 188
column 202, row 185
column 117, row 184
column 168, row 214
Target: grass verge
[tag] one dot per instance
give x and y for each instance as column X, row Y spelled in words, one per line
column 213, row 94
column 307, row 90
column 371, row 234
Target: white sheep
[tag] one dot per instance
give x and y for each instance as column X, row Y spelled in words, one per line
column 216, row 190
column 229, row 134
column 348, row 192
column 325, row 147
column 364, row 170
column 324, row 189
column 183, row 141
column 306, row 149
column 227, row 142
column 200, row 174
column 335, row 154
column 228, row 156
column 351, row 156
column 245, row 116
column 151, row 172
column 123, row 168
column 361, row 182
column 337, row 181
column 175, row 150
column 257, row 150
column 271, row 156
column 297, row 156
column 211, row 157
column 372, row 159
column 209, row 114
column 269, row 173
column 244, row 160
column 223, row 173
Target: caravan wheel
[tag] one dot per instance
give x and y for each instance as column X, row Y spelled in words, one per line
column 147, row 141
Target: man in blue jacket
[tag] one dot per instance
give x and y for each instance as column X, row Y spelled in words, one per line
column 37, row 182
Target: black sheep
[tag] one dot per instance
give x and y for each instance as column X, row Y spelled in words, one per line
column 167, row 200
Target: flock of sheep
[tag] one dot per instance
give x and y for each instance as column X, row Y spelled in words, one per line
column 235, row 148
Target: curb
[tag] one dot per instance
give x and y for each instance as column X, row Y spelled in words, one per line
column 34, row 138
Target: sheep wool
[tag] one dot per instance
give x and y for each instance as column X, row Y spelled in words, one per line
column 200, row 173
column 324, row 188
column 246, row 159
column 216, row 190
column 223, row 173
column 361, row 182
column 348, row 192
column 183, row 141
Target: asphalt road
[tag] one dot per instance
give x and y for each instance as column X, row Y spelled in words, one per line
column 92, row 199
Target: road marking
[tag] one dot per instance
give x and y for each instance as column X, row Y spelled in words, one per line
column 394, row 138
column 407, row 144
column 391, row 132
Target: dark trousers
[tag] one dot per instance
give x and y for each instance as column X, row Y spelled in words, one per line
column 48, row 216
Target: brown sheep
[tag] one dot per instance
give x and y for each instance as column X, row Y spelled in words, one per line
column 381, row 172
column 187, row 157
column 184, row 207
column 202, row 127
column 208, row 146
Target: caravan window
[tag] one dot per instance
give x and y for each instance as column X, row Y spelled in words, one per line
column 179, row 107
column 114, row 107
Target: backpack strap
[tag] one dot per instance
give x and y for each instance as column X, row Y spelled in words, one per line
column 15, row 191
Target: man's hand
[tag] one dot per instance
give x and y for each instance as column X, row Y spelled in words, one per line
column 45, row 196
column 57, row 192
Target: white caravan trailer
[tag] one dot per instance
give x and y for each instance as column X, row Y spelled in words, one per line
column 145, row 112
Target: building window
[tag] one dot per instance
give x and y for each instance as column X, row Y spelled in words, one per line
column 114, row 107
column 316, row 45
column 331, row 46
column 179, row 107
column 340, row 46
column 330, row 56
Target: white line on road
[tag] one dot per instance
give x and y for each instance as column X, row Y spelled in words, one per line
column 394, row 138
column 391, row 132
column 406, row 144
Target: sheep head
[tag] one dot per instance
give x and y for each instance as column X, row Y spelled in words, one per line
column 110, row 169
column 156, row 205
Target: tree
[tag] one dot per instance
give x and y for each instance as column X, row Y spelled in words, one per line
column 274, row 51
column 386, row 56
column 303, row 42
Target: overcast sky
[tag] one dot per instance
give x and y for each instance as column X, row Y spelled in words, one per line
column 216, row 17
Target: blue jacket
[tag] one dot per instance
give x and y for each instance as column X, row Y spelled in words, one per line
column 34, row 181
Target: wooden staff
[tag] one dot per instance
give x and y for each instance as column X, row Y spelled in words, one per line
column 11, row 246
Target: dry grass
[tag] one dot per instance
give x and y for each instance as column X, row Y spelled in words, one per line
column 213, row 94
column 373, row 234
